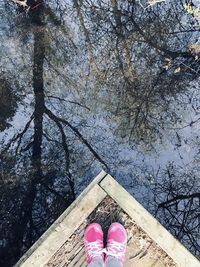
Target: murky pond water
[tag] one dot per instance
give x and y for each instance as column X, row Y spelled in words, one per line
column 91, row 85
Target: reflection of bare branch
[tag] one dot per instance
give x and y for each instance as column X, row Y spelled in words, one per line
column 56, row 21
column 50, row 139
column 19, row 136
column 154, row 44
column 119, row 30
column 58, row 72
column 66, row 151
column 27, row 147
column 179, row 210
column 53, row 191
column 188, row 67
column 178, row 197
column 68, row 101
column 196, row 110
column 185, row 126
column 77, row 133
column 64, row 143
column 86, row 34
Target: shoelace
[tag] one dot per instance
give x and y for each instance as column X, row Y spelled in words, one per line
column 94, row 249
column 116, row 249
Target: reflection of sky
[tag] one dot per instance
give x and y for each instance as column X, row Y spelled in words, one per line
column 91, row 97
column 135, row 164
column 178, row 145
column 127, row 164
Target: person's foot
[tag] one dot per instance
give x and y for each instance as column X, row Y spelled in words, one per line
column 93, row 240
column 116, row 242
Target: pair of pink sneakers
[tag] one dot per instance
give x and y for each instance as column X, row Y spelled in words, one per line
column 116, row 242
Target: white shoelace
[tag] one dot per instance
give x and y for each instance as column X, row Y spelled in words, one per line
column 116, row 246
column 94, row 249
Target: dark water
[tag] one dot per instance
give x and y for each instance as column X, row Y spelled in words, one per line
column 91, row 85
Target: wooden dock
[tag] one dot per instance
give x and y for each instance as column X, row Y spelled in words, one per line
column 105, row 201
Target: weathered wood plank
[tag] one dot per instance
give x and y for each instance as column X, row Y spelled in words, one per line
column 76, row 260
column 181, row 256
column 96, row 180
column 70, row 220
column 82, row 262
column 141, row 250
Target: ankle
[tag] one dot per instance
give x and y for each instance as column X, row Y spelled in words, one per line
column 113, row 261
column 96, row 261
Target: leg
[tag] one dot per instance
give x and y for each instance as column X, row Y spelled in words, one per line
column 93, row 241
column 96, row 263
column 112, row 262
column 116, row 245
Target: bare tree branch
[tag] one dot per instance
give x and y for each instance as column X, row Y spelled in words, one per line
column 68, row 101
column 178, row 197
column 18, row 136
column 77, row 133
column 67, row 158
column 53, row 191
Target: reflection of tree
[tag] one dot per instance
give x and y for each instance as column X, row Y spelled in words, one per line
column 145, row 60
column 138, row 64
column 118, row 27
column 177, row 192
column 26, row 216
column 85, row 32
column 33, row 209
column 7, row 102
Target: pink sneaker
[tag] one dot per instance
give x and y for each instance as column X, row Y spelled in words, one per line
column 117, row 242
column 93, row 240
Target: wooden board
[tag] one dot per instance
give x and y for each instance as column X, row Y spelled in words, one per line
column 51, row 242
column 141, row 250
column 105, row 201
column 149, row 224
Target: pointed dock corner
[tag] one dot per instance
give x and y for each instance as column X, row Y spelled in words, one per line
column 105, row 201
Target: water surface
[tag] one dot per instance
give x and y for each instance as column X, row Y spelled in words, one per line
column 91, row 85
